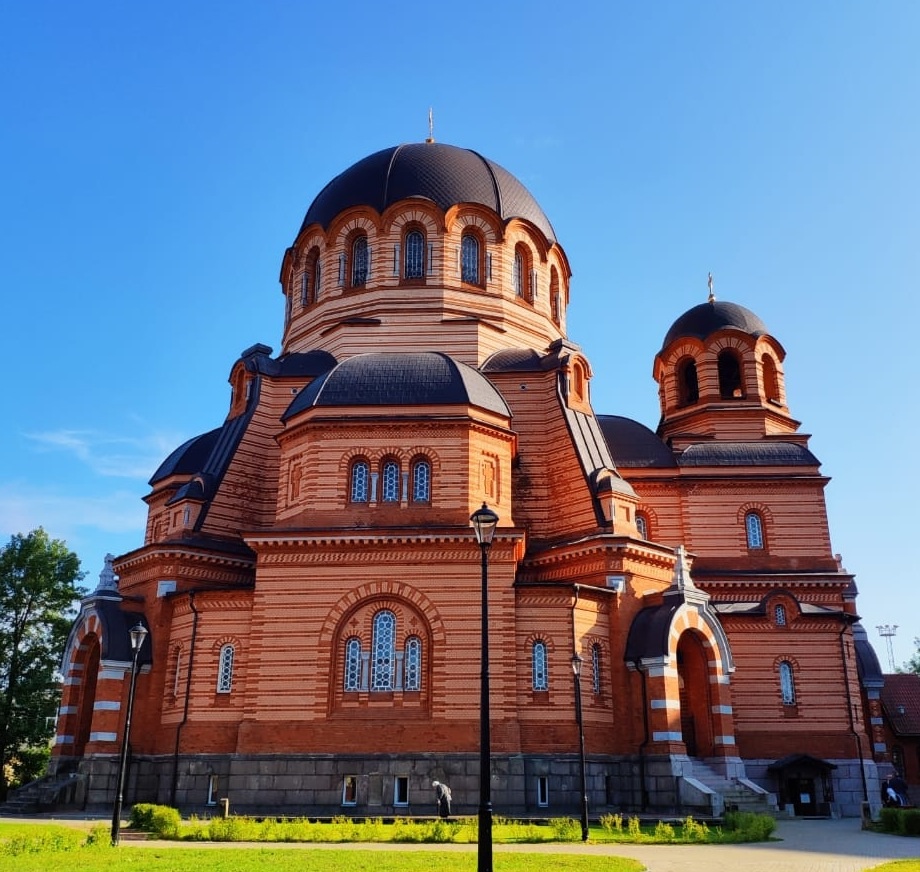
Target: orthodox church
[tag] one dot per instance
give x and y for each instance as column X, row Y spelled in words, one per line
column 311, row 584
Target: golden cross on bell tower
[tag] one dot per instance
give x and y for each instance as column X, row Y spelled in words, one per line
column 430, row 125
column 712, row 296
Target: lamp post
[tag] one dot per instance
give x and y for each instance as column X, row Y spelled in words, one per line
column 484, row 521
column 137, row 634
column 576, row 669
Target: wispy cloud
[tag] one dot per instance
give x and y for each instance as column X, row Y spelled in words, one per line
column 110, row 455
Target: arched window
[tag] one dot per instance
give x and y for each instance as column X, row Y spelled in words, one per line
column 642, row 525
column 596, row 668
column 555, row 303
column 415, row 255
column 359, row 262
column 540, row 674
column 469, row 259
column 383, row 653
column 753, row 527
column 779, row 616
column 730, row 386
column 317, row 278
column 390, row 482
column 770, row 379
column 413, row 664
column 225, row 669
column 518, row 273
column 688, row 384
column 360, row 478
column 787, row 683
column 421, row 481
column 353, row 664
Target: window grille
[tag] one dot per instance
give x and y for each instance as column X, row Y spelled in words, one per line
column 360, row 475
column 359, row 262
column 383, row 654
column 469, row 259
column 415, row 255
column 390, row 482
column 413, row 664
column 353, row 665
column 540, row 677
column 421, row 482
column 754, row 528
column 225, row 670
column 596, row 668
column 787, row 683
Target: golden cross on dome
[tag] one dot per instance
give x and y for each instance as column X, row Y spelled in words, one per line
column 712, row 296
column 430, row 125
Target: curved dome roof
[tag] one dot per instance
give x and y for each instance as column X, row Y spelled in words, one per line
column 702, row 321
column 444, row 174
column 395, row 379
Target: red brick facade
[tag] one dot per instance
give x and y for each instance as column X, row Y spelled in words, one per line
column 311, row 583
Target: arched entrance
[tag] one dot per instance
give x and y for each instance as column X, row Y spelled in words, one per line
column 88, row 657
column 695, row 695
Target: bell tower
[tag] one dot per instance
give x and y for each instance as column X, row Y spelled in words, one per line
column 720, row 376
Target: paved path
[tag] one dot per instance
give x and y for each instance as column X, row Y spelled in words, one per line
column 804, row 846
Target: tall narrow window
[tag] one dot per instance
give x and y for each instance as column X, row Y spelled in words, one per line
column 350, row 790
column 554, row 301
column 779, row 616
column 383, row 652
column 401, row 790
column 542, row 791
column 415, row 255
column 359, row 262
column 730, row 386
column 421, row 481
column 687, row 383
column 754, row 529
column 304, row 288
column 225, row 670
column 413, row 664
column 642, row 525
column 770, row 379
column 317, row 278
column 540, row 676
column 787, row 683
column 353, row 664
column 360, row 476
column 390, row 484
column 518, row 273
column 596, row 668
column 469, row 259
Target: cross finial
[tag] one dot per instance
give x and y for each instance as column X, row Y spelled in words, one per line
column 712, row 296
column 430, row 125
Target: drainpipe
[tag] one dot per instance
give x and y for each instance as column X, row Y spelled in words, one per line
column 853, row 730
column 188, row 688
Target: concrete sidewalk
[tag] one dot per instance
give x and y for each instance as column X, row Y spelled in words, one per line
column 803, row 846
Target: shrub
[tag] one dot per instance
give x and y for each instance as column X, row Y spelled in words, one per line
column 99, row 836
column 612, row 823
column 142, row 815
column 634, row 828
column 46, row 839
column 694, row 831
column 889, row 819
column 909, row 823
column 749, row 826
column 566, row 829
column 664, row 832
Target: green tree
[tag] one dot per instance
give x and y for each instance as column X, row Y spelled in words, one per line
column 913, row 665
column 38, row 589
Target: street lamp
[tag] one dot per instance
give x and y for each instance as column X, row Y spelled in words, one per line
column 577, row 662
column 137, row 634
column 484, row 521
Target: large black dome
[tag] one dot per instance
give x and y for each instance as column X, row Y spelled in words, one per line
column 702, row 321
column 444, row 174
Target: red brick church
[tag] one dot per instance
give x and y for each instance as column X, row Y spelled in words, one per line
column 311, row 583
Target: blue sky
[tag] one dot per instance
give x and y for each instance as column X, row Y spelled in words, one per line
column 157, row 158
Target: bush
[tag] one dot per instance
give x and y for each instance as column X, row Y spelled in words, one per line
column 566, row 829
column 749, row 826
column 229, row 829
column 634, row 828
column 694, row 831
column 45, row 839
column 664, row 832
column 889, row 820
column 612, row 823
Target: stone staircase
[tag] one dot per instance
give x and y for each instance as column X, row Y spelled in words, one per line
column 46, row 794
column 714, row 793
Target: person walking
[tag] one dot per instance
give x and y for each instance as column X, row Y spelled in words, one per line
column 442, row 794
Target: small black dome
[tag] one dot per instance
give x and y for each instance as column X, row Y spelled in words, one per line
column 444, row 174
column 702, row 321
column 395, row 379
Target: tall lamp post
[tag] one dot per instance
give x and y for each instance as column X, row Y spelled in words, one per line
column 137, row 634
column 577, row 662
column 484, row 521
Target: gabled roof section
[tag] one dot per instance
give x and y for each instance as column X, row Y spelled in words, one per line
column 901, row 702
column 633, row 446
column 188, row 458
column 400, row 379
column 718, row 453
